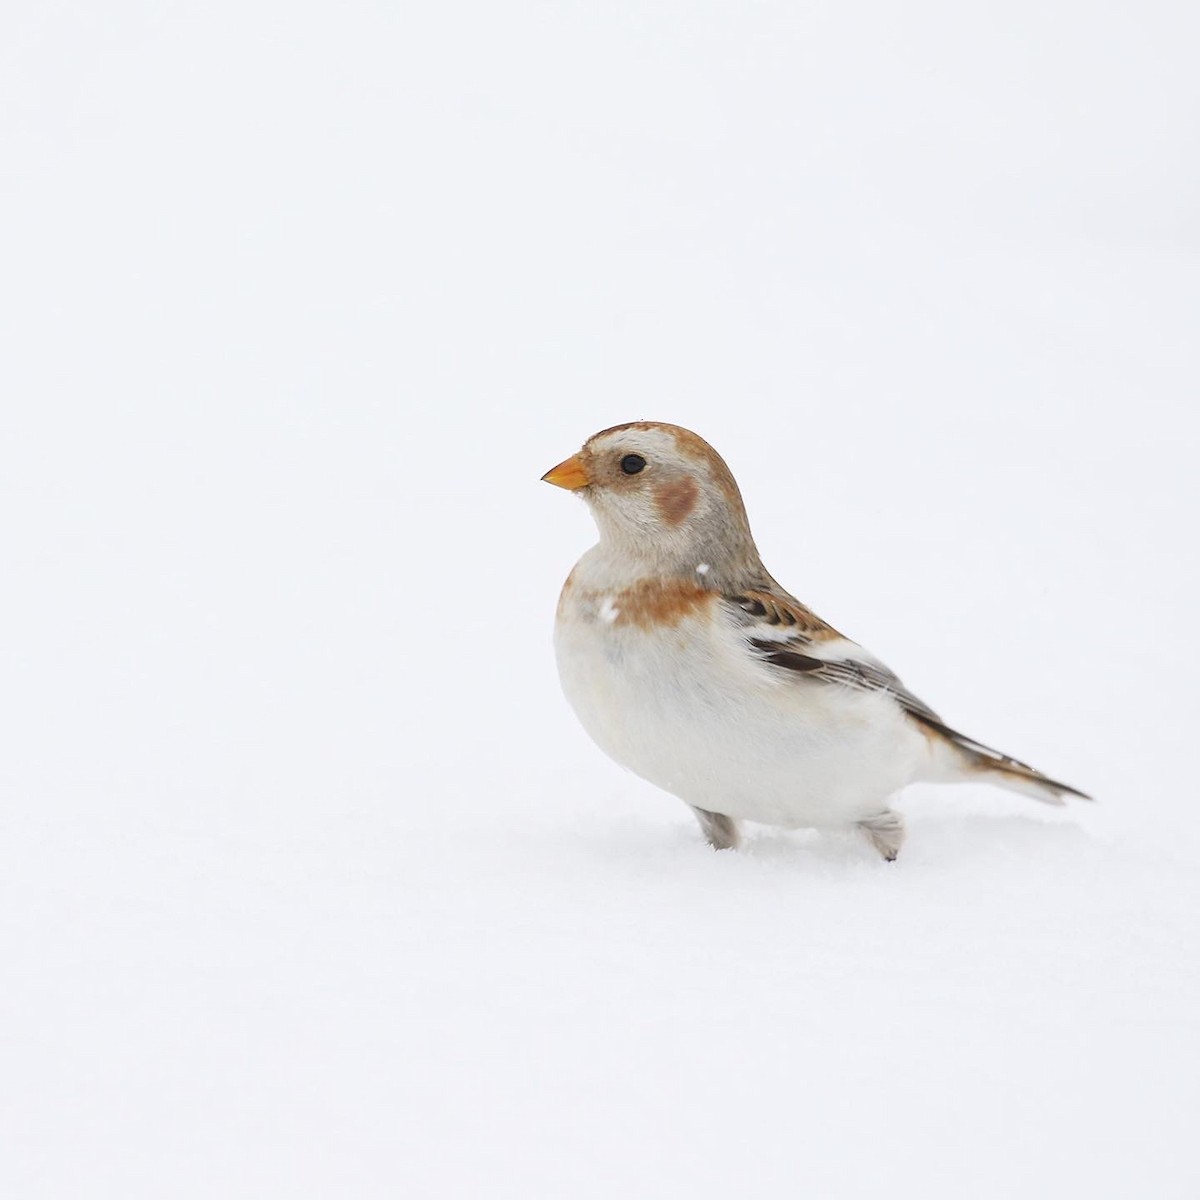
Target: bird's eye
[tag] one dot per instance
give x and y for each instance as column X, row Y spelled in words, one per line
column 631, row 464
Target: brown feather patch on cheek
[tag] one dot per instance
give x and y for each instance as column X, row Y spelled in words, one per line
column 675, row 500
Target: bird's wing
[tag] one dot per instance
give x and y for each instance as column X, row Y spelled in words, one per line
column 782, row 633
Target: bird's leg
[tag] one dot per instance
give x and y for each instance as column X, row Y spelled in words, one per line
column 886, row 832
column 720, row 831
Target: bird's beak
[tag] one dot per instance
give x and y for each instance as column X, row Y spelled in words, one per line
column 571, row 474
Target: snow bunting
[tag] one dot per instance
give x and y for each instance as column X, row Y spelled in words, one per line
column 687, row 663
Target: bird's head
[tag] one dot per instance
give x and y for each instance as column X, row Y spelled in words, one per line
column 662, row 496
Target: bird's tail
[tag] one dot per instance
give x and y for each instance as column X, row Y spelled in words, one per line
column 975, row 760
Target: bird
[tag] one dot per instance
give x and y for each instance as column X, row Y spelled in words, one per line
column 687, row 663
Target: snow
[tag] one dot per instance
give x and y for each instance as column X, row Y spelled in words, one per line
column 309, row 883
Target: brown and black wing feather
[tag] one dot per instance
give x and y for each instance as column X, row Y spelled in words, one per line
column 792, row 630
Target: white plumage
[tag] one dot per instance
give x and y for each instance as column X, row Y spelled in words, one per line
column 690, row 709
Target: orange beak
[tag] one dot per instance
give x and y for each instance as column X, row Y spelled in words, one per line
column 571, row 474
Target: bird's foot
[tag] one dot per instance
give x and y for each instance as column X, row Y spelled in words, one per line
column 720, row 831
column 886, row 833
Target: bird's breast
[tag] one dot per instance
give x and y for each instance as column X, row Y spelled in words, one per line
column 664, row 682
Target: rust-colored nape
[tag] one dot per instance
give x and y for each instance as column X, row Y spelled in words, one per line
column 676, row 500
column 693, row 444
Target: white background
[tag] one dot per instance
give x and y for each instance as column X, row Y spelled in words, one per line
column 309, row 883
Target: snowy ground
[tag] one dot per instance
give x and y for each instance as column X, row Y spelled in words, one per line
column 309, row 884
